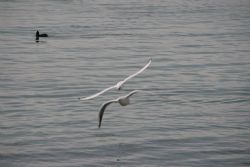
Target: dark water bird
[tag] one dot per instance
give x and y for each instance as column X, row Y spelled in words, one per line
column 119, row 84
column 40, row 35
column 123, row 101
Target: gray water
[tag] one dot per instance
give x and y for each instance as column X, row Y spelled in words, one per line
column 195, row 108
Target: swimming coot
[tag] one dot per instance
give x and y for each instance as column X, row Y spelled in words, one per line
column 40, row 35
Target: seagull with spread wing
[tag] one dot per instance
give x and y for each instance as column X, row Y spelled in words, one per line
column 119, row 84
column 123, row 101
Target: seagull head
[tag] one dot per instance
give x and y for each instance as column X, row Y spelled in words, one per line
column 124, row 101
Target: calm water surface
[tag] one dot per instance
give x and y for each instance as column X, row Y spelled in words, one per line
column 196, row 111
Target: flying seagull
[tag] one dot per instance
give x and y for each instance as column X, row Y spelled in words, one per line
column 123, row 100
column 119, row 84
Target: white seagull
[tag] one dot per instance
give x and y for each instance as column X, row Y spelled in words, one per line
column 123, row 100
column 119, row 84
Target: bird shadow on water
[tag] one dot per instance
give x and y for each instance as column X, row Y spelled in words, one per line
column 112, row 147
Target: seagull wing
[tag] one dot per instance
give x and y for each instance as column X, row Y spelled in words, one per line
column 101, row 112
column 138, row 72
column 97, row 94
column 131, row 93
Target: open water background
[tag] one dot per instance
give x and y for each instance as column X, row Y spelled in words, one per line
column 197, row 109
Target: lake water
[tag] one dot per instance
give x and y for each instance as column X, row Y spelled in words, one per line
column 195, row 108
